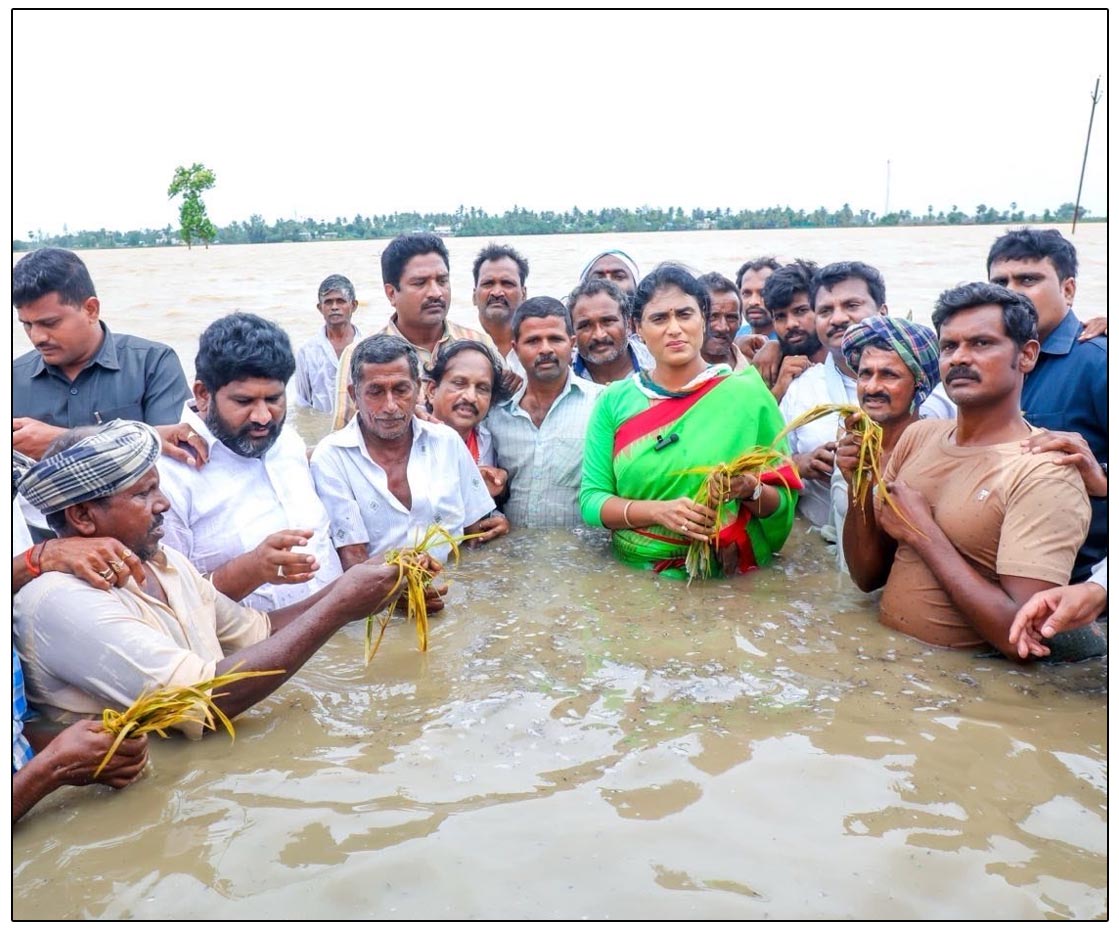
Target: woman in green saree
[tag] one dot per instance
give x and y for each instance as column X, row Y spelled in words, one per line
column 649, row 433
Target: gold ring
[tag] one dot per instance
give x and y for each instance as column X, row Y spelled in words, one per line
column 191, row 435
column 107, row 574
column 116, row 566
column 127, row 554
column 683, row 527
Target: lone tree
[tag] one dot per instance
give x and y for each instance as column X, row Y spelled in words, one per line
column 191, row 182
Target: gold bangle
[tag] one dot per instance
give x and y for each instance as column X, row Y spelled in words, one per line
column 625, row 514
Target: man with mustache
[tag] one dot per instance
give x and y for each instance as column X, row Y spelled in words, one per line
column 415, row 269
column 723, row 323
column 605, row 350
column 794, row 321
column 538, row 433
column 898, row 366
column 462, row 385
column 500, row 273
column 251, row 516
column 1067, row 390
column 84, row 649
column 80, row 372
column 388, row 476
column 840, row 294
column 979, row 527
column 316, row 363
column 750, row 281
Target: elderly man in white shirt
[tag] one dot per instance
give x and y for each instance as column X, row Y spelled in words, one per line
column 316, row 363
column 250, row 516
column 386, row 477
column 539, row 433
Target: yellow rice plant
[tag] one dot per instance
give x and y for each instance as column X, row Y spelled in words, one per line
column 157, row 711
column 868, row 471
column 413, row 576
column 715, row 489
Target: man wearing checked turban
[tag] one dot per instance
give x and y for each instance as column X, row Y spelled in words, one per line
column 897, row 364
column 84, row 649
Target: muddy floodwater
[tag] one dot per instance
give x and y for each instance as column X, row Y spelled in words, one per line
column 583, row 740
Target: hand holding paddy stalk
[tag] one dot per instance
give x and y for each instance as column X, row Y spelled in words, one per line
column 159, row 710
column 416, row 568
column 909, row 517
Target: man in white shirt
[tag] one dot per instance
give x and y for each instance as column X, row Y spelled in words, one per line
column 842, row 294
column 386, row 477
column 538, row 434
column 316, row 363
column 251, row 515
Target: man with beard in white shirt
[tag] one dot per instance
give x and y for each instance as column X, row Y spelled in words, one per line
column 251, row 516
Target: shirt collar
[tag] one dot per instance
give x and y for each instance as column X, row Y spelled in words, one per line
column 106, row 356
column 350, row 435
column 573, row 383
column 395, row 330
column 1063, row 338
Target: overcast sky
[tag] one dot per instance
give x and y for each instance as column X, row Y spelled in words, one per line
column 333, row 114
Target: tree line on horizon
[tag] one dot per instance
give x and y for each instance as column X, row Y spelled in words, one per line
column 522, row 222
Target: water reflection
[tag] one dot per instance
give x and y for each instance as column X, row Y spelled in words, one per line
column 583, row 740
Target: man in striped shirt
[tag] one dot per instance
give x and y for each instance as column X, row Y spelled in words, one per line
column 538, row 433
column 415, row 269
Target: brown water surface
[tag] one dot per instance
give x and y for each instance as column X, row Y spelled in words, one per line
column 587, row 741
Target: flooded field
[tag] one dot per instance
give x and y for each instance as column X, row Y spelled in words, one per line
column 586, row 741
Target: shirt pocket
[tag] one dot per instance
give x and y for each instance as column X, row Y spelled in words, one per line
column 566, row 455
column 133, row 411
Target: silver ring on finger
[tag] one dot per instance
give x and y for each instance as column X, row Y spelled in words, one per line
column 279, row 571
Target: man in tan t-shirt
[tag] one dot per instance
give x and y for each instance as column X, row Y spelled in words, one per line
column 981, row 527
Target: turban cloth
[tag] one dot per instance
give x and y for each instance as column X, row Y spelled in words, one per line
column 916, row 344
column 629, row 263
column 110, row 460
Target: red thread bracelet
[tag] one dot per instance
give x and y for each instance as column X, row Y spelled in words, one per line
column 35, row 572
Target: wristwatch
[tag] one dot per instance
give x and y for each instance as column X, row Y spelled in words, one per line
column 757, row 495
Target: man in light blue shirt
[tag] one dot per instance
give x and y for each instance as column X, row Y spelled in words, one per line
column 538, row 433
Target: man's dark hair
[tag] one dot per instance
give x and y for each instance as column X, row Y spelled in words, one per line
column 719, row 284
column 337, row 282
column 1033, row 245
column 239, row 346
column 541, row 308
column 831, row 275
column 382, row 349
column 47, row 271
column 1019, row 317
column 439, row 367
column 57, row 520
column 756, row 264
column 786, row 282
column 593, row 286
column 494, row 252
column 403, row 249
column 670, row 275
